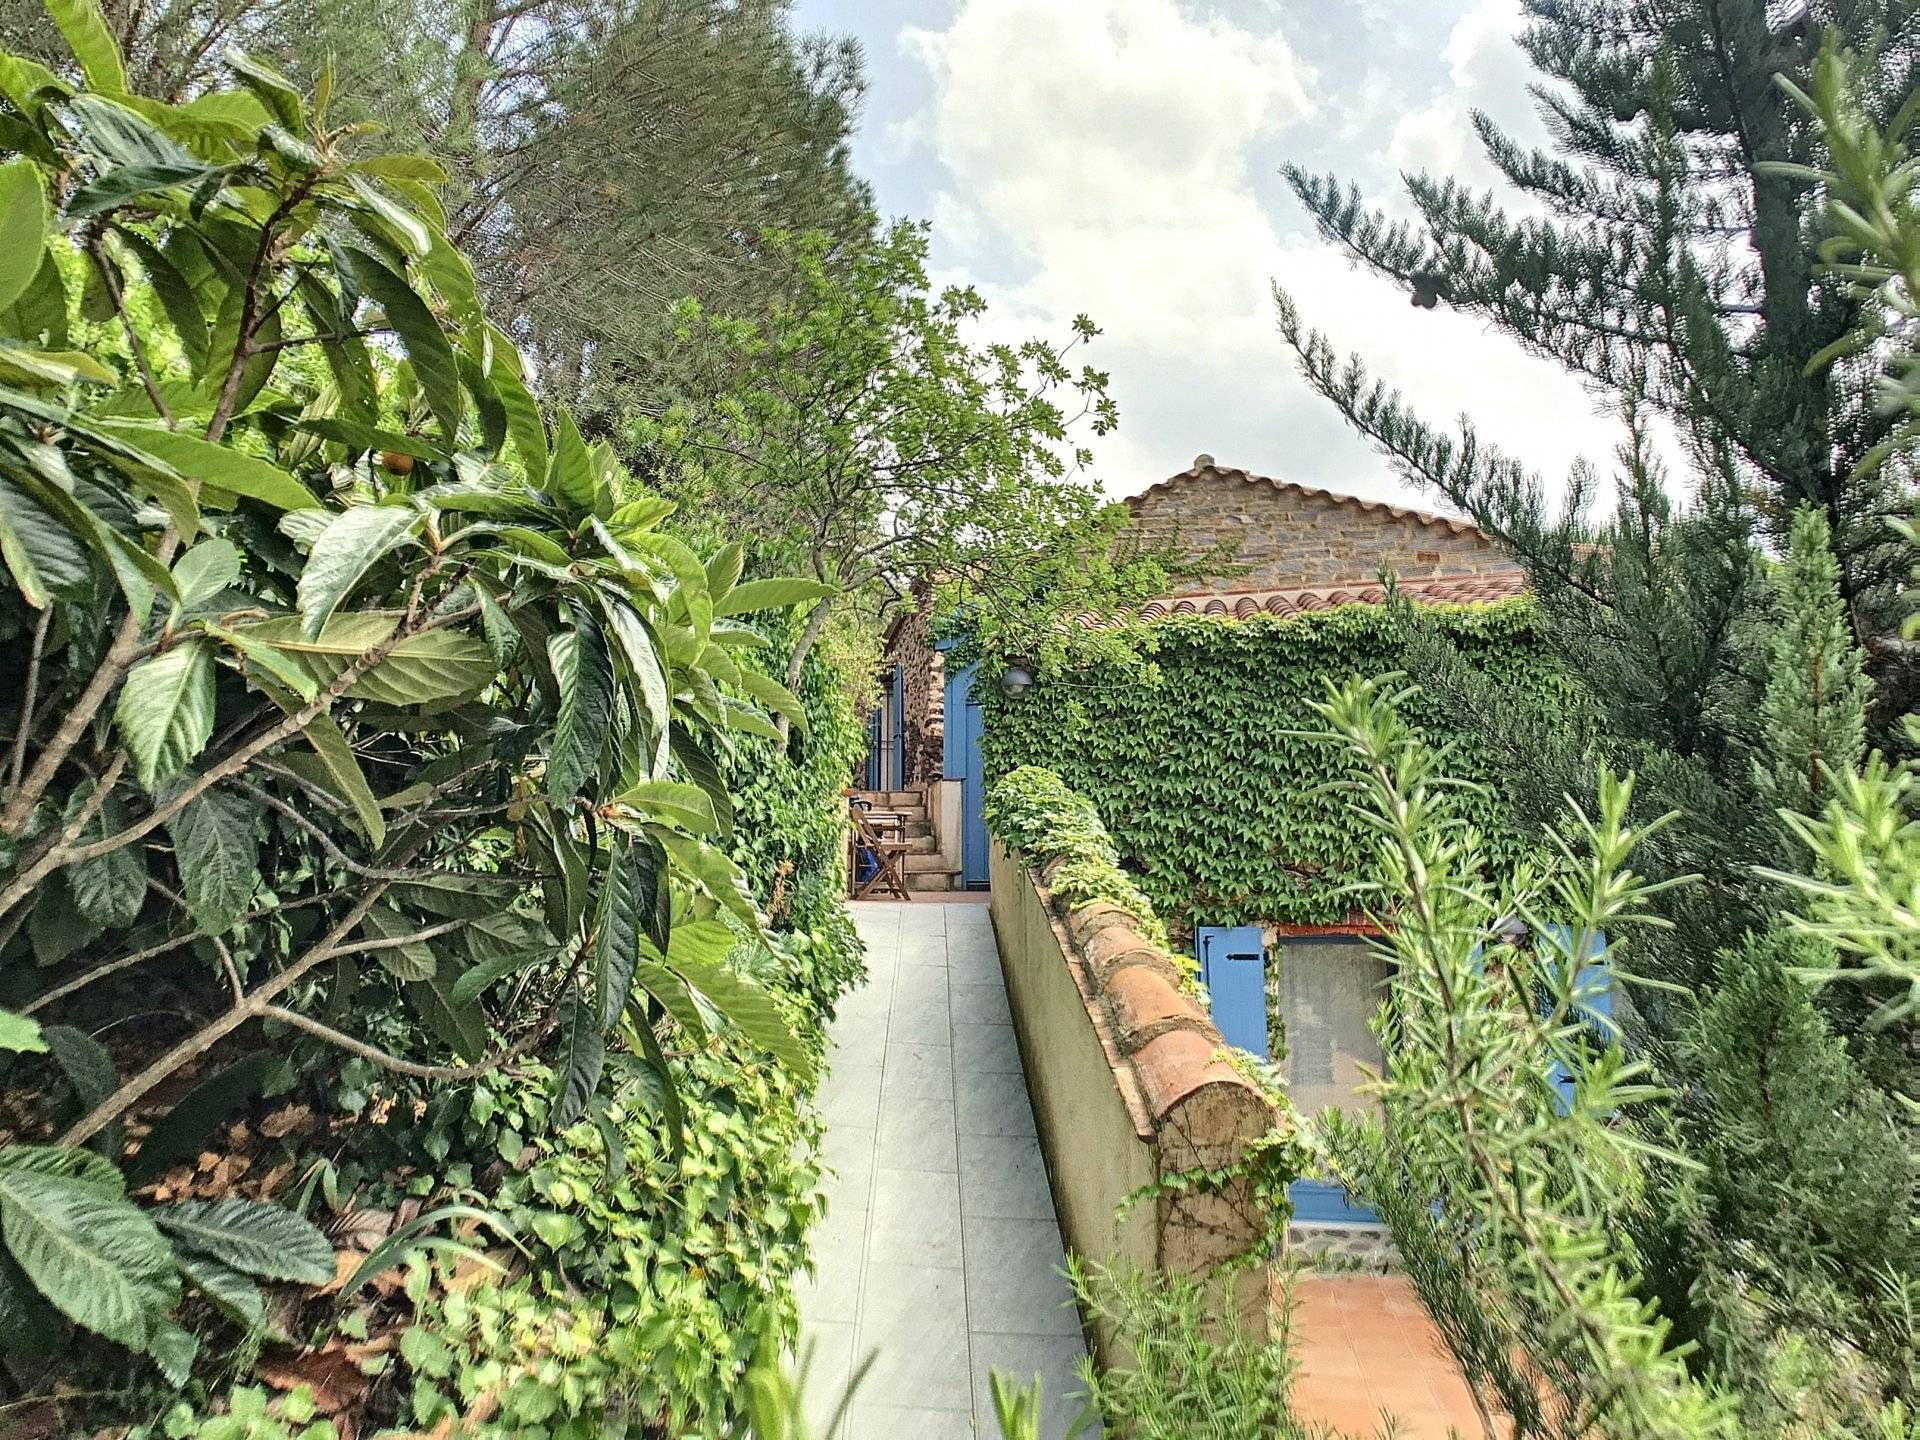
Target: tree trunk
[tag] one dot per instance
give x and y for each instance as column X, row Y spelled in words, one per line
column 802, row 647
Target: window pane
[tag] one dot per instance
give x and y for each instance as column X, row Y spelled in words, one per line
column 1327, row 991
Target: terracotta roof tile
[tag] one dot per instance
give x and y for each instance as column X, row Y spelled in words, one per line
column 1295, row 600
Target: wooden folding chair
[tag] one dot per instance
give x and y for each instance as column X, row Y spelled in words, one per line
column 871, row 837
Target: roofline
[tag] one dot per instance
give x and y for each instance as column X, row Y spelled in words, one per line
column 1315, row 492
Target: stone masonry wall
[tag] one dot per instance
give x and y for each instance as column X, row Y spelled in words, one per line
column 1291, row 535
column 923, row 696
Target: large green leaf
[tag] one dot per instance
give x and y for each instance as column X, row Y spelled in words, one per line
column 253, row 1238
column 89, row 1069
column 44, row 557
column 644, row 665
column 420, row 336
column 20, row 1034
column 616, row 930
column 748, row 1006
column 775, row 696
column 176, row 297
column 230, row 1291
column 99, row 1260
column 130, row 182
column 414, row 960
column 84, row 28
column 577, row 1067
column 351, row 545
column 775, row 594
column 108, row 889
column 165, row 712
column 428, row 666
column 338, row 771
column 723, row 879
column 571, row 480
column 39, row 314
column 676, row 802
column 691, row 575
column 23, row 227
column 205, row 570
column 524, row 429
column 218, row 856
column 584, row 669
column 275, row 90
column 219, row 467
column 460, row 1025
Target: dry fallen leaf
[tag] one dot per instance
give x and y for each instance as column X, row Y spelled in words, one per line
column 286, row 1120
column 337, row 1383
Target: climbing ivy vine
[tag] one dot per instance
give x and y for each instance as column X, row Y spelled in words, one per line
column 1211, row 785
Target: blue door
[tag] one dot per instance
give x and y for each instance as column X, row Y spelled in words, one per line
column 1233, row 967
column 960, row 760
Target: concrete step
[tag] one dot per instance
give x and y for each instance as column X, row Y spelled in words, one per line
column 930, row 862
column 923, row 883
column 922, row 844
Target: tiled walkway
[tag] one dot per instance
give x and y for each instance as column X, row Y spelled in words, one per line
column 1366, row 1348
column 940, row 1251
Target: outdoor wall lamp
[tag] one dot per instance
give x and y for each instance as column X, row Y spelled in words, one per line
column 1015, row 680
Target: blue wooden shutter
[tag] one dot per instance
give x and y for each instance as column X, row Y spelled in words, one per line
column 1233, row 966
column 1593, row 993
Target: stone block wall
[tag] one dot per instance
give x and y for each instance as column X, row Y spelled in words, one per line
column 1295, row 535
column 1128, row 1085
column 922, row 695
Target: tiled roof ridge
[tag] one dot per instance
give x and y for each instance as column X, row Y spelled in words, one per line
column 1338, row 497
column 1454, row 589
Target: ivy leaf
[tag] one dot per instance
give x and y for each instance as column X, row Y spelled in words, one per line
column 584, row 670
column 251, row 1237
column 218, row 856
column 99, row 1260
column 420, row 336
column 583, row 1054
column 775, row 594
column 23, row 227
column 84, row 28
column 351, row 545
column 165, row 712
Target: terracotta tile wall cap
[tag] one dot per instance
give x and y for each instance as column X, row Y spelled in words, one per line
column 1089, row 920
column 1142, row 1006
column 1108, row 943
column 1178, row 1065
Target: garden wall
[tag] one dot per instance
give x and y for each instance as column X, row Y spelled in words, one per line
column 1128, row 1087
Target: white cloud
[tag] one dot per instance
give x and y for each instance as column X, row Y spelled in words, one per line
column 1486, row 70
column 1100, row 158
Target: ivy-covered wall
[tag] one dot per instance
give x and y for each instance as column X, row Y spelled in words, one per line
column 1216, row 807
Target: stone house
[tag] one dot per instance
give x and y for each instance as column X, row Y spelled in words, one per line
column 1296, row 547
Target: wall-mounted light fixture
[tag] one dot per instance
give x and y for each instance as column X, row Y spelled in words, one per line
column 1015, row 680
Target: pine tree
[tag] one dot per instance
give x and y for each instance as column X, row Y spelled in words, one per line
column 1677, row 263
column 1814, row 710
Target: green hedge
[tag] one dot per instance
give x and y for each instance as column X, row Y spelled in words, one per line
column 1213, row 796
column 1036, row 816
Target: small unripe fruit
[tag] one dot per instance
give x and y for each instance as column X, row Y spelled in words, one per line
column 395, row 463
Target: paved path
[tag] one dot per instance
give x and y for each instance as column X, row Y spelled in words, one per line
column 940, row 1251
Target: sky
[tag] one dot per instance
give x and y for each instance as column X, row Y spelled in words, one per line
column 1122, row 158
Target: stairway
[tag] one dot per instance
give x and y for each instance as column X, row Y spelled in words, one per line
column 926, row 867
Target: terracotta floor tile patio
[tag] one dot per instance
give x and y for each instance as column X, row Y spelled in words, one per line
column 1366, row 1347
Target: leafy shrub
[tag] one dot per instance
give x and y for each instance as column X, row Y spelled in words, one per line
column 1213, row 795
column 1037, row 817
column 353, row 702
